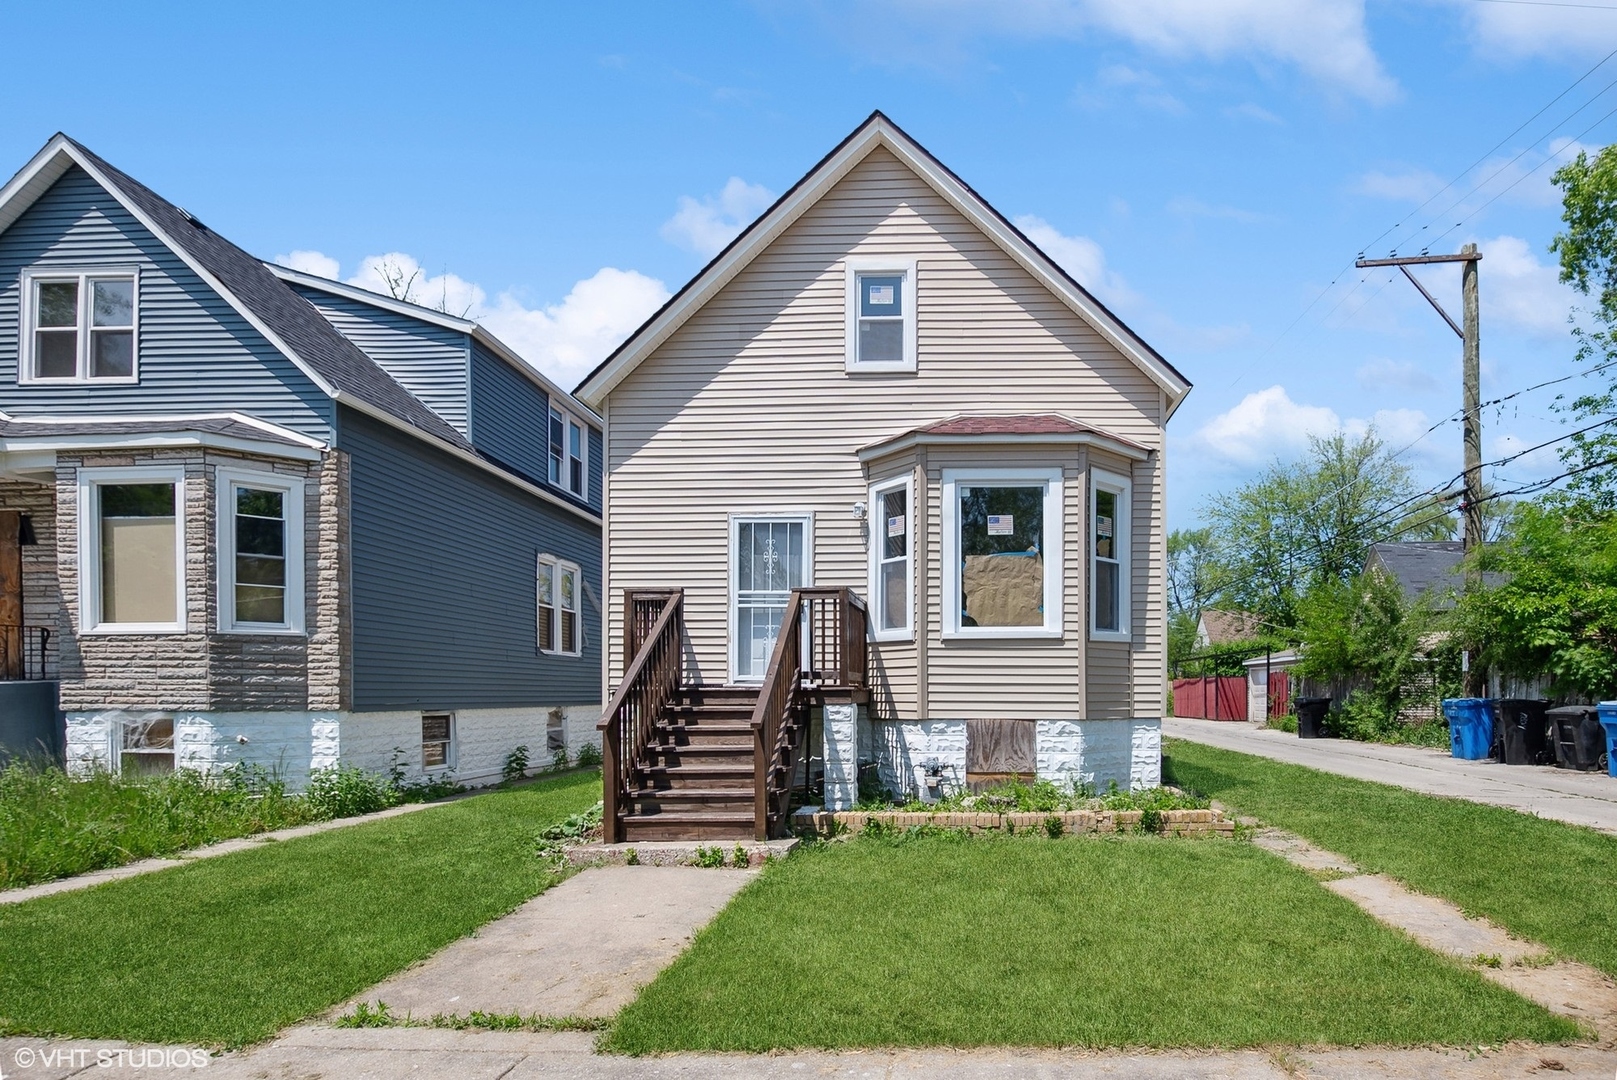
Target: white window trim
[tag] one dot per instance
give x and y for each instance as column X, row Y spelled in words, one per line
column 1123, row 488
column 225, row 549
column 855, row 265
column 732, row 633
column 90, row 547
column 83, row 275
column 1054, row 548
column 878, row 536
column 451, row 748
column 557, row 567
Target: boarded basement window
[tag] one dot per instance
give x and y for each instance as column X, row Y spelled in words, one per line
column 437, row 740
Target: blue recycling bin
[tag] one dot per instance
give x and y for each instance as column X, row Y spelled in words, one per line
column 1608, row 720
column 1470, row 726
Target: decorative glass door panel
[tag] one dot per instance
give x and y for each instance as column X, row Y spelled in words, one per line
column 770, row 559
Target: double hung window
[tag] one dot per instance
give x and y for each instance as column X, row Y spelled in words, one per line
column 569, row 454
column 880, row 314
column 891, row 574
column 80, row 327
column 437, row 740
column 260, row 552
column 1109, row 502
column 561, row 629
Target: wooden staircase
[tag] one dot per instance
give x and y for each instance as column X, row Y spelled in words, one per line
column 684, row 761
column 697, row 780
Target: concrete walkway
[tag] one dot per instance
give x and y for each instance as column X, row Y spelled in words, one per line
column 581, row 949
column 1574, row 797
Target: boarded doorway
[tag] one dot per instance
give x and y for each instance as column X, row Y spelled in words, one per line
column 999, row 751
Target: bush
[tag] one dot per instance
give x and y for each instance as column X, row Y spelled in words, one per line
column 589, row 756
column 348, row 790
column 1363, row 719
column 516, row 765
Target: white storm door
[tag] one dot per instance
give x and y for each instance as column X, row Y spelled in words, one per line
column 769, row 557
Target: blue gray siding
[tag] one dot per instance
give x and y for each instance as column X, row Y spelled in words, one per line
column 509, row 415
column 429, row 360
column 196, row 353
column 444, row 604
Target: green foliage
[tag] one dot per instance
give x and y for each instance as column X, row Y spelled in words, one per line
column 1304, row 523
column 53, row 825
column 1047, row 797
column 348, row 790
column 1555, row 609
column 1541, row 880
column 516, row 764
column 555, row 839
column 589, row 756
column 275, row 933
column 1364, row 717
column 709, row 857
column 1118, row 942
column 559, row 760
column 1364, row 627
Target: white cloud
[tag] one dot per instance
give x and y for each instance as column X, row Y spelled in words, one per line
column 564, row 340
column 1249, row 110
column 310, row 262
column 1186, row 206
column 1382, row 375
column 1513, row 285
column 706, row 225
column 1267, row 424
column 1516, row 31
column 1115, row 80
column 1081, row 257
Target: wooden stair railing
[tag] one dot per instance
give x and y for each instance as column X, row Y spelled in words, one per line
column 650, row 681
column 834, row 624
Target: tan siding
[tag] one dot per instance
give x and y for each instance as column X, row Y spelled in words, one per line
column 748, row 408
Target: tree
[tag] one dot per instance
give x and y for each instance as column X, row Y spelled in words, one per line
column 1306, row 522
column 1588, row 253
column 1194, row 573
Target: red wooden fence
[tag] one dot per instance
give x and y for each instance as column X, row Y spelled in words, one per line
column 1211, row 698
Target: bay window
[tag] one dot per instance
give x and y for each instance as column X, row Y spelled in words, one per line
column 1002, row 553
column 1109, row 502
column 132, row 550
column 891, row 559
column 260, row 552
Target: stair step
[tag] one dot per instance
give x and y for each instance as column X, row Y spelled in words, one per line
column 722, row 727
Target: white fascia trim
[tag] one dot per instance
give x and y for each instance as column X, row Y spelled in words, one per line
column 1288, row 657
column 765, row 231
column 437, row 318
column 157, row 441
column 1076, row 438
column 59, row 147
column 471, row 459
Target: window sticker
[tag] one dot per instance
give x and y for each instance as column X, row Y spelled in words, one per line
column 1001, row 524
column 1103, row 526
column 881, row 294
column 895, row 526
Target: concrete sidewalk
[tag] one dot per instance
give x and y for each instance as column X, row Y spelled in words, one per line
column 1576, row 798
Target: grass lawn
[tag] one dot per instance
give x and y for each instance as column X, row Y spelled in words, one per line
column 228, row 950
column 1137, row 941
column 1541, row 880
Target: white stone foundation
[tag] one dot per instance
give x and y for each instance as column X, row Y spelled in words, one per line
column 292, row 744
column 927, row 758
column 841, row 727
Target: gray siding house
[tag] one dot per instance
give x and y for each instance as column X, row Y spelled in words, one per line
column 247, row 514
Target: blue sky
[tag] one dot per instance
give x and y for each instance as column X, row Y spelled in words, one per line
column 1208, row 168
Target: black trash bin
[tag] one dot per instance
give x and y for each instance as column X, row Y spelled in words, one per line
column 1579, row 738
column 1311, row 717
column 1523, row 731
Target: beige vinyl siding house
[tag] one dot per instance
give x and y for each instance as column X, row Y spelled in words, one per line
column 744, row 410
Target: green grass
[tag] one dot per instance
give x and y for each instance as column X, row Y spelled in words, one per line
column 1088, row 942
column 226, row 951
column 1541, row 880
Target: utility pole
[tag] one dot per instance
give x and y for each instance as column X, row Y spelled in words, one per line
column 1471, row 378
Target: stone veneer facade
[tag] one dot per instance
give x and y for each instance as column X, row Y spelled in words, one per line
column 280, row 701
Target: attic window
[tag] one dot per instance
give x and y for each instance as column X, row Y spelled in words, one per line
column 568, row 454
column 79, row 326
column 880, row 314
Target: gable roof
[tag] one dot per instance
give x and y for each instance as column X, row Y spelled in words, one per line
column 876, row 131
column 437, row 318
column 1228, row 627
column 1420, row 566
column 290, row 323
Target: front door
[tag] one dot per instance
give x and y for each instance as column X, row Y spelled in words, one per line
column 769, row 557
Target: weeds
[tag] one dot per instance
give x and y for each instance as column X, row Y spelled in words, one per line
column 710, row 857
column 364, row 1016
column 589, row 757
column 516, row 765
